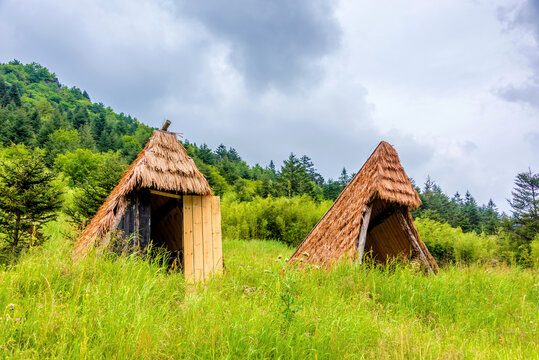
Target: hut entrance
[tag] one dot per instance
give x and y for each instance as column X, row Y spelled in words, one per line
column 386, row 238
column 167, row 223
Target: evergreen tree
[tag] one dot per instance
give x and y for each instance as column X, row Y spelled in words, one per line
column 490, row 218
column 221, row 152
column 205, row 154
column 80, row 117
column 233, row 155
column 97, row 187
column 3, row 89
column 98, row 126
column 27, row 199
column 525, row 205
column 344, row 178
column 309, row 167
column 15, row 127
column 85, row 94
column 332, row 189
column 86, row 139
column 271, row 167
column 472, row 213
column 293, row 178
column 15, row 96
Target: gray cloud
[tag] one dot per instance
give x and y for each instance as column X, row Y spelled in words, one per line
column 524, row 16
column 271, row 77
column 275, row 43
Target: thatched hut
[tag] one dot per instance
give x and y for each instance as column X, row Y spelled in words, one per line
column 165, row 200
column 371, row 217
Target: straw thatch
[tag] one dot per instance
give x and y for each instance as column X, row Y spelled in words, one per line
column 382, row 184
column 162, row 165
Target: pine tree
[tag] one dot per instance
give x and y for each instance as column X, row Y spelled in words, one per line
column 86, row 139
column 309, row 167
column 471, row 212
column 98, row 126
column 221, row 151
column 3, row 89
column 80, row 117
column 293, row 178
column 27, row 199
column 344, row 178
column 525, row 204
column 271, row 167
column 490, row 218
column 14, row 95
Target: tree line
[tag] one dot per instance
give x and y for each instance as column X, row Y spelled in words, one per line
column 59, row 142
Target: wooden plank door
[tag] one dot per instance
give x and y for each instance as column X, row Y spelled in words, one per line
column 203, row 253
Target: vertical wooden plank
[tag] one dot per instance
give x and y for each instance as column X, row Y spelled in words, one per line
column 216, row 234
column 188, row 242
column 207, row 236
column 363, row 232
column 406, row 227
column 197, row 235
column 145, row 216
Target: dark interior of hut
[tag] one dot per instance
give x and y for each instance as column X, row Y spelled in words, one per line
column 386, row 238
column 167, row 226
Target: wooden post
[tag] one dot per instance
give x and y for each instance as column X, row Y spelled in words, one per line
column 363, row 232
column 166, row 125
column 188, row 241
column 207, row 246
column 216, row 234
column 406, row 227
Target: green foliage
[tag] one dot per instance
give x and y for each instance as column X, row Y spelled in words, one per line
column 94, row 175
column 448, row 244
column 284, row 219
column 293, row 178
column 16, row 127
column 126, row 307
column 458, row 212
column 34, row 105
column 525, row 205
column 59, row 142
column 28, row 199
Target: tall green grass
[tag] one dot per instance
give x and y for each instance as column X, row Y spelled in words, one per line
column 126, row 307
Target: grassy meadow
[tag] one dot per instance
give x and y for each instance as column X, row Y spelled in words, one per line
column 124, row 307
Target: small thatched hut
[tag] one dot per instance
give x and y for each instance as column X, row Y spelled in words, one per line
column 164, row 199
column 371, row 216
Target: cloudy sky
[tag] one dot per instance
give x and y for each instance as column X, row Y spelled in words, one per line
column 453, row 85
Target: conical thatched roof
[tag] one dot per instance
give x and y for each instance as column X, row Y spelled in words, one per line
column 162, row 165
column 381, row 177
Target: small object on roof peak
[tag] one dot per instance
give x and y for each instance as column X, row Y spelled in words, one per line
column 166, row 125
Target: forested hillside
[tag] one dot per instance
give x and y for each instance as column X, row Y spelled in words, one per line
column 86, row 146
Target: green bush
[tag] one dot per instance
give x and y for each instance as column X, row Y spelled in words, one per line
column 284, row 219
column 448, row 244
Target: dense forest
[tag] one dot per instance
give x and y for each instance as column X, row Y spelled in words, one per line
column 81, row 148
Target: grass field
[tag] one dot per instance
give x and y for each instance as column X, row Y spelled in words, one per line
column 124, row 307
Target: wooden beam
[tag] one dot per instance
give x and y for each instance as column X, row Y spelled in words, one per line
column 162, row 193
column 166, row 125
column 188, row 241
column 402, row 220
column 198, row 248
column 363, row 232
column 216, row 234
column 207, row 245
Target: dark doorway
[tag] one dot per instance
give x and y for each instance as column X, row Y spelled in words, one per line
column 167, row 225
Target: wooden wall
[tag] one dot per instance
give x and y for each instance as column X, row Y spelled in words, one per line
column 203, row 254
column 136, row 220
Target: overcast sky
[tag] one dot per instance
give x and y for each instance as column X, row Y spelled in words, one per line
column 453, row 85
